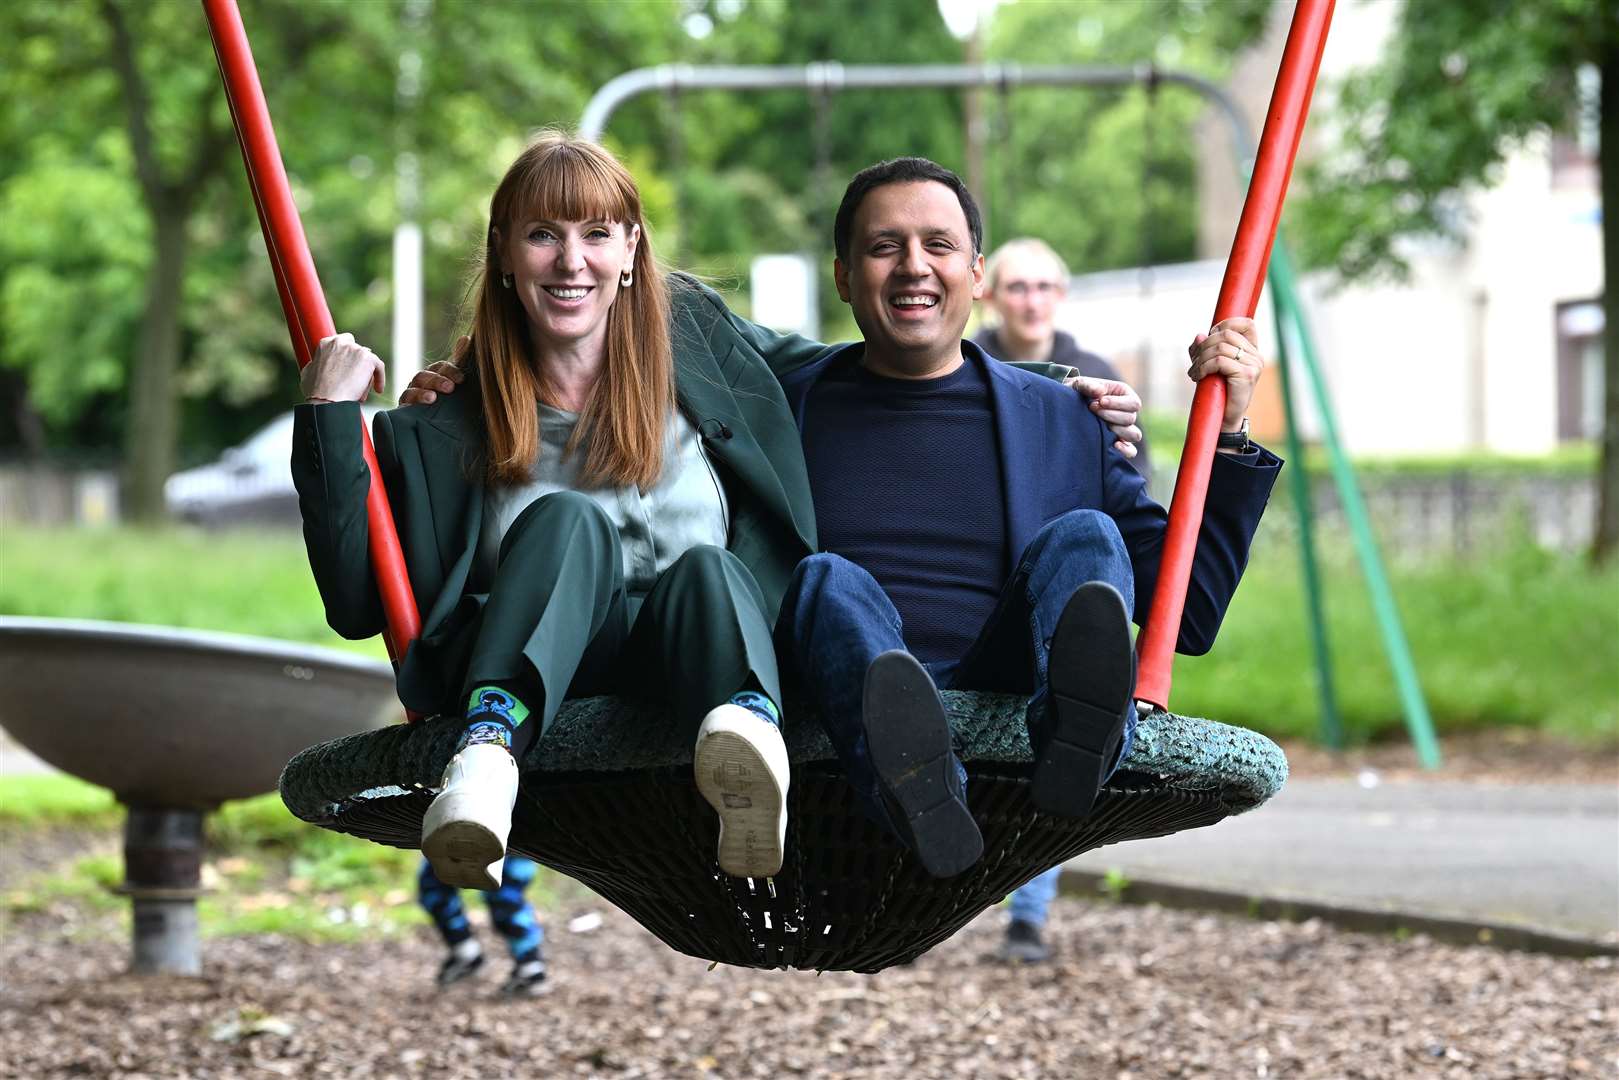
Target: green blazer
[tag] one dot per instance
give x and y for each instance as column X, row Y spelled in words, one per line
column 726, row 373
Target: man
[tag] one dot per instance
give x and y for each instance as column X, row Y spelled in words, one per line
column 979, row 530
column 1025, row 281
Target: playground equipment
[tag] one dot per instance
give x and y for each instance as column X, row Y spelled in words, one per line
column 611, row 799
column 173, row 723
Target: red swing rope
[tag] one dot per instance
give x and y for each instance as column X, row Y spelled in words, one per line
column 302, row 301
column 1239, row 295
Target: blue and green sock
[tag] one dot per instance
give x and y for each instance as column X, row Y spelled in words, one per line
column 493, row 716
column 759, row 704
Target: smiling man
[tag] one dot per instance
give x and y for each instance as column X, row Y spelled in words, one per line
column 978, row 528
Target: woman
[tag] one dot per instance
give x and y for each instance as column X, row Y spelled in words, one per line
column 620, row 478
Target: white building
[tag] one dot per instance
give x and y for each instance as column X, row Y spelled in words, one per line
column 1493, row 344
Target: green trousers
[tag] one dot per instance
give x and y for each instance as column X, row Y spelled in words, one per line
column 558, row 622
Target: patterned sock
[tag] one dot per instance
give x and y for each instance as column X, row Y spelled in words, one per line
column 759, row 705
column 493, row 716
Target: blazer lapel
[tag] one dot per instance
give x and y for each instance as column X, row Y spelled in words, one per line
column 445, row 444
column 1021, row 438
column 706, row 397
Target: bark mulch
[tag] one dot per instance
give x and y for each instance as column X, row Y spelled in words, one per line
column 1135, row 992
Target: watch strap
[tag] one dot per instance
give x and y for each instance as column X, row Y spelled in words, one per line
column 1235, row 440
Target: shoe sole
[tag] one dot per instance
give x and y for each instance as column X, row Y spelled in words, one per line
column 1024, row 954
column 908, row 737
column 733, row 775
column 461, row 853
column 534, row 991
column 1089, row 683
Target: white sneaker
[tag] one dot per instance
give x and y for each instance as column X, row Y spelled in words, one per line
column 464, row 831
column 741, row 769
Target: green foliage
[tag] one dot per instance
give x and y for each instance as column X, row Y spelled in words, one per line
column 1107, row 177
column 1460, row 87
column 725, row 176
column 1114, row 884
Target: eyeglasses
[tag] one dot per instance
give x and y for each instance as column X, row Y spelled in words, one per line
column 1021, row 289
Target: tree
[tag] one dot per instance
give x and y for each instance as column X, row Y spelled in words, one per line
column 1108, row 176
column 1461, row 87
column 134, row 278
column 116, row 170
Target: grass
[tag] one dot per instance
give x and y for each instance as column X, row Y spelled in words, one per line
column 265, row 871
column 1520, row 637
column 246, row 582
column 28, row 801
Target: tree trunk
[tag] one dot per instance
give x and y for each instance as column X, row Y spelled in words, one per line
column 1607, row 523
column 153, row 427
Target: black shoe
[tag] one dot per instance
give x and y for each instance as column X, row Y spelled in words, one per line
column 918, row 774
column 1090, row 677
column 526, row 980
column 457, row 967
column 1023, row 944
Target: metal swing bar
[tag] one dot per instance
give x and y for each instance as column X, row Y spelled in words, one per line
column 302, row 301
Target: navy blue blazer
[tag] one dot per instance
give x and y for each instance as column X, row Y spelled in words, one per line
column 1056, row 456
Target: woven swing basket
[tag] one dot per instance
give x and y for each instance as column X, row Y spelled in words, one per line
column 608, row 798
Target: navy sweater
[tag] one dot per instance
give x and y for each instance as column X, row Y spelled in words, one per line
column 928, row 522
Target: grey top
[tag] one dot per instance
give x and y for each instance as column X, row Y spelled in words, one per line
column 685, row 508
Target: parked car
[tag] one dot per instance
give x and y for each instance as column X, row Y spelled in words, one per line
column 250, row 484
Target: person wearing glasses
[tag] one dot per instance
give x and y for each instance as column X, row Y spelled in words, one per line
column 1026, row 282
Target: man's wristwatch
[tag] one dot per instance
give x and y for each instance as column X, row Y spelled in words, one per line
column 1235, row 440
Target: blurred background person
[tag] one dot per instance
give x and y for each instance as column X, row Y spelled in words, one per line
column 512, row 915
column 1026, row 281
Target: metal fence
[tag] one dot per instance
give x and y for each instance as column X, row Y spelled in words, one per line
column 1454, row 515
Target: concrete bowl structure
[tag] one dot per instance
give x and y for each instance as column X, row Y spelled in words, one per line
column 175, row 722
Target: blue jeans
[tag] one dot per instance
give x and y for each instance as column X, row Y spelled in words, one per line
column 509, row 909
column 1033, row 900
column 835, row 620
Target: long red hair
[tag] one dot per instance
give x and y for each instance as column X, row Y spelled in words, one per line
column 562, row 178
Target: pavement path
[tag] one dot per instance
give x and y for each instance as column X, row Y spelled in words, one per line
column 1539, row 858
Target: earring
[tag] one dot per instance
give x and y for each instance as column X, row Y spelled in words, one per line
column 626, row 279
column 506, row 280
